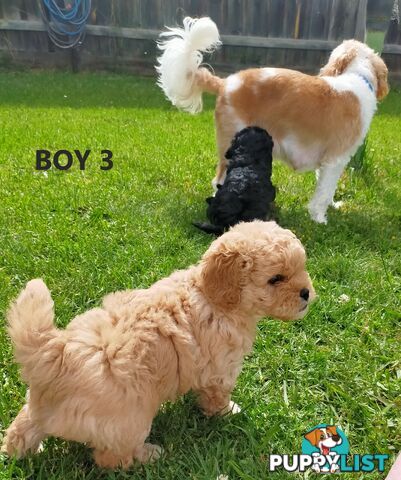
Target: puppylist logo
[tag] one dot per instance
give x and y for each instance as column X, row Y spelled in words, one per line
column 325, row 449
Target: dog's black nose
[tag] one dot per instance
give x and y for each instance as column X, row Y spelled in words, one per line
column 336, row 438
column 304, row 293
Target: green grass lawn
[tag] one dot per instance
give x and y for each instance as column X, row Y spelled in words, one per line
column 87, row 233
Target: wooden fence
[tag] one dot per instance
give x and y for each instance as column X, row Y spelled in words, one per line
column 392, row 44
column 379, row 14
column 121, row 33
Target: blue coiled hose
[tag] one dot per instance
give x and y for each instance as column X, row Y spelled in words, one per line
column 65, row 25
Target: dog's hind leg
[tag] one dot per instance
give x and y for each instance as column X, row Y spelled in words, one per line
column 327, row 179
column 23, row 435
column 147, row 453
column 125, row 441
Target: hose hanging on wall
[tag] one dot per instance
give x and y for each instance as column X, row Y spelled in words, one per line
column 65, row 24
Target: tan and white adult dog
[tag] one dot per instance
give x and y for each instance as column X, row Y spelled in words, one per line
column 317, row 122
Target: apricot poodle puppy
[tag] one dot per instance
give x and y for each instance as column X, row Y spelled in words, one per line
column 102, row 379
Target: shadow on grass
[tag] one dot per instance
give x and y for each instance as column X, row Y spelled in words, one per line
column 373, row 231
column 376, row 230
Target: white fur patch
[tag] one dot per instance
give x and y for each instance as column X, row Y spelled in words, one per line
column 234, row 119
column 265, row 73
column 182, row 55
column 233, row 82
column 299, row 156
column 352, row 82
column 327, row 178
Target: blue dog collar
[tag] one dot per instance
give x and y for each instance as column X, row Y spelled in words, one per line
column 368, row 83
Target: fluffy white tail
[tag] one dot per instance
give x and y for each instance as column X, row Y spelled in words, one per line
column 31, row 328
column 181, row 58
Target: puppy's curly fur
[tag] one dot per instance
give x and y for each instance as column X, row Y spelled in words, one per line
column 247, row 192
column 102, row 379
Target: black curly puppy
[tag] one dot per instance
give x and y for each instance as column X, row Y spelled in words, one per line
column 247, row 191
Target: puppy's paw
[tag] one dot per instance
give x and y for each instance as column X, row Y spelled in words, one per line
column 149, row 453
column 40, row 448
column 3, row 449
column 13, row 445
column 234, row 408
column 19, row 450
column 231, row 409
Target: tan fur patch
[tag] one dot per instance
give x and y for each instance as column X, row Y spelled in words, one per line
column 292, row 103
column 208, row 82
column 119, row 363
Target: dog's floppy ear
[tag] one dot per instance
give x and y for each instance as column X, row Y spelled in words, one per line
column 381, row 76
column 337, row 65
column 224, row 268
column 332, row 429
column 313, row 437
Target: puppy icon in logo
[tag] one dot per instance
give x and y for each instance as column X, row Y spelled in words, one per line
column 325, row 443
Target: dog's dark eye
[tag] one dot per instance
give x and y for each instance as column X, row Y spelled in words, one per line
column 276, row 279
column 322, row 437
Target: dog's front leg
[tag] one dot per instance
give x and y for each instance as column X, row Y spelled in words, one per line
column 327, row 178
column 215, row 400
